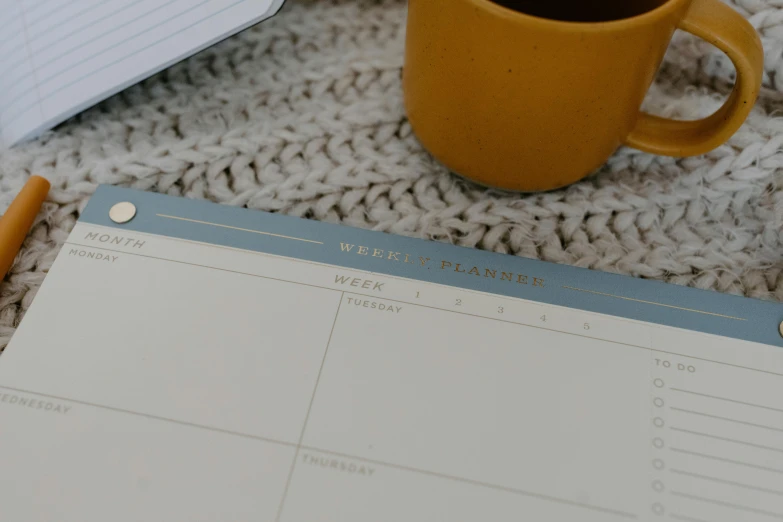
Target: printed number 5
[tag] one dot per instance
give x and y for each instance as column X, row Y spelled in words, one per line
column 586, row 326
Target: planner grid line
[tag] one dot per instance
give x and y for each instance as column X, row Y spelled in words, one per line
column 309, row 409
column 727, row 439
column 402, row 278
column 654, row 303
column 728, row 461
column 299, row 446
column 727, row 399
column 461, row 289
column 549, row 498
column 722, row 503
column 359, row 294
column 358, row 270
column 411, row 304
column 769, row 372
column 727, row 482
column 727, row 419
column 166, row 216
column 150, row 416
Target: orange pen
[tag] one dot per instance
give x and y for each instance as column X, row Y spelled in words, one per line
column 17, row 220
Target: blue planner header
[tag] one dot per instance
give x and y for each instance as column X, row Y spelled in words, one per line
column 419, row 259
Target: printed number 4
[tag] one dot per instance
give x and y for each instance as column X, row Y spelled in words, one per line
column 543, row 318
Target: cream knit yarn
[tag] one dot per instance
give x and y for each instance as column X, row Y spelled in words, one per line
column 302, row 115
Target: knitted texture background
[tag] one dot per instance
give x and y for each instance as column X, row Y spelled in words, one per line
column 303, row 115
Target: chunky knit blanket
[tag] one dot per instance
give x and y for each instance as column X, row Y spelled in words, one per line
column 303, row 115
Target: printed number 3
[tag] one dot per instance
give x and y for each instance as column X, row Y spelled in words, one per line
column 500, row 309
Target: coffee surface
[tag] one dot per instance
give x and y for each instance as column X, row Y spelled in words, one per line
column 582, row 10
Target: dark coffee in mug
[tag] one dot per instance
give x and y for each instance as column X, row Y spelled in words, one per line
column 582, row 10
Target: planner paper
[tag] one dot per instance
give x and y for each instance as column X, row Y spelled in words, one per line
column 58, row 57
column 207, row 363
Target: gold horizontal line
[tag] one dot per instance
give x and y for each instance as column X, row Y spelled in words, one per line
column 238, row 228
column 654, row 303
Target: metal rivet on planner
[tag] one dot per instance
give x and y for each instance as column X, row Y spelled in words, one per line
column 122, row 212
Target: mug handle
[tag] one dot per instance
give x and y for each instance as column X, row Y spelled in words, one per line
column 723, row 27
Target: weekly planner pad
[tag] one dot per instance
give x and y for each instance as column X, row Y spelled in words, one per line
column 197, row 362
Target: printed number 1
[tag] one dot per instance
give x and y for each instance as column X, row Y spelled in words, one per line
column 417, row 295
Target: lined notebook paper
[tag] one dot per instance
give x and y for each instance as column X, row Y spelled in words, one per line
column 58, row 57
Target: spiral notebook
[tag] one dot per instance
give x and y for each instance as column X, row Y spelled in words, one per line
column 185, row 360
column 60, row 57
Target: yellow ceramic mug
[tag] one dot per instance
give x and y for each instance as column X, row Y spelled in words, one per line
column 528, row 103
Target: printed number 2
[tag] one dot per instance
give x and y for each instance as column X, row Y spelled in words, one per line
column 459, row 302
